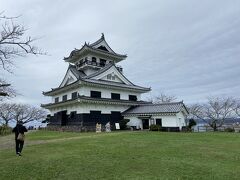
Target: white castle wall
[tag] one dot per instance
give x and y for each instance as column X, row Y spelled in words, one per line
column 105, row 93
column 87, row 107
column 177, row 120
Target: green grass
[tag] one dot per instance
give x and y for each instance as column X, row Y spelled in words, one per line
column 48, row 135
column 125, row 155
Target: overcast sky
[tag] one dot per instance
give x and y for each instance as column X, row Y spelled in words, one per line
column 187, row 48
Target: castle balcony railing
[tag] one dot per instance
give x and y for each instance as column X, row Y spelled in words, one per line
column 95, row 64
column 90, row 63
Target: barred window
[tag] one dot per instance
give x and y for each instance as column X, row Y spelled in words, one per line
column 74, row 95
column 64, row 98
column 56, row 99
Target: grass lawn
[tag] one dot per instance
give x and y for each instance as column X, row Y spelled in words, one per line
column 124, row 155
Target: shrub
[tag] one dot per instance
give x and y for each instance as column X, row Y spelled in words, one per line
column 155, row 127
column 123, row 124
column 5, row 130
column 229, row 129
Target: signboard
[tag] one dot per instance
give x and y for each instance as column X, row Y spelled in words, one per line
column 117, row 125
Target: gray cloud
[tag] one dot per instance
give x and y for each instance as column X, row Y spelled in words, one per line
column 187, row 48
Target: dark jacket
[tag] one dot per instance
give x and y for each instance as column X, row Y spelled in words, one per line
column 19, row 129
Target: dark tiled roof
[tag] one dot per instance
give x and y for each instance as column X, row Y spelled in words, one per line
column 173, row 107
column 102, row 82
column 113, row 100
column 78, row 74
column 99, row 50
column 97, row 100
column 100, row 71
column 88, row 47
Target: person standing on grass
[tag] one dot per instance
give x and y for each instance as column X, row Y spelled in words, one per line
column 19, row 136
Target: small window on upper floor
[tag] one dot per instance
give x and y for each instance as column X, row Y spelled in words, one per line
column 113, row 77
column 109, row 76
column 56, row 99
column 132, row 98
column 103, row 48
column 103, row 62
column 115, row 96
column 74, row 95
column 64, row 98
column 94, row 59
column 95, row 94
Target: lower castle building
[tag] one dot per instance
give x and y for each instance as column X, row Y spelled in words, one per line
column 95, row 90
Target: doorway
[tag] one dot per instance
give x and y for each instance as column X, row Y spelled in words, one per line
column 145, row 123
column 62, row 117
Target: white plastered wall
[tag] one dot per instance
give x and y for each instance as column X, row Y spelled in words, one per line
column 106, row 93
column 177, row 120
column 87, row 107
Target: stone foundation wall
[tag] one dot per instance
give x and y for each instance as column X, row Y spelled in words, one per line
column 73, row 128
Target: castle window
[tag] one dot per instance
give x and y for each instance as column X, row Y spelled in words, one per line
column 159, row 122
column 56, row 99
column 115, row 96
column 109, row 76
column 95, row 94
column 102, row 62
column 64, row 98
column 103, row 48
column 132, row 98
column 74, row 95
column 94, row 59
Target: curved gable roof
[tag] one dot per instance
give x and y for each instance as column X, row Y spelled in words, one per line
column 93, row 48
column 102, row 41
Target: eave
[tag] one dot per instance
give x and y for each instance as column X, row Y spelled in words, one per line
column 58, row 90
column 59, row 104
column 85, row 99
column 150, row 114
column 77, row 84
column 118, row 86
column 78, row 53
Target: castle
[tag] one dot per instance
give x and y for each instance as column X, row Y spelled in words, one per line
column 95, row 90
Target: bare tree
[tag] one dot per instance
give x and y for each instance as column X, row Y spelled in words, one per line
column 6, row 90
column 13, row 43
column 215, row 111
column 162, row 98
column 6, row 114
column 237, row 108
column 21, row 112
